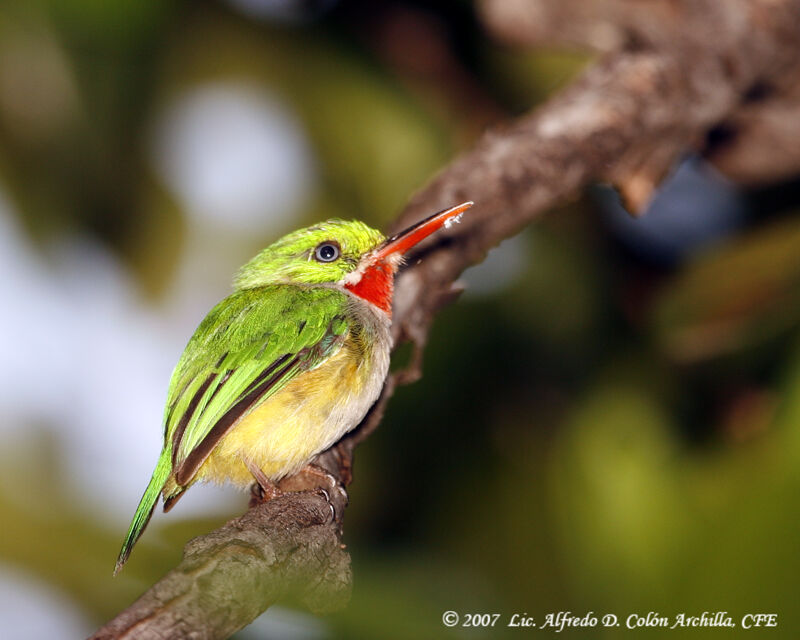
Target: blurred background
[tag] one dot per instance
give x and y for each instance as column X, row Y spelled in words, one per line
column 609, row 419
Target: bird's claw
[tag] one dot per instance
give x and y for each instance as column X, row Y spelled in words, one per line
column 333, row 486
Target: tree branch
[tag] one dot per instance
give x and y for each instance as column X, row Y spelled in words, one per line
column 287, row 546
column 625, row 121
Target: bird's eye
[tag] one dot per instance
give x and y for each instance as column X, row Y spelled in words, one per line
column 326, row 252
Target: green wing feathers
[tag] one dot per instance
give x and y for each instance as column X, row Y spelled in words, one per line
column 246, row 349
column 255, row 338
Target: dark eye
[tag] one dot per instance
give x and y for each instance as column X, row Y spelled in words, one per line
column 327, row 252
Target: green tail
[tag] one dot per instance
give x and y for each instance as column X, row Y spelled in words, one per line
column 145, row 508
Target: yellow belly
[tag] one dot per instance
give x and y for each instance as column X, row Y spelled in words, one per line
column 304, row 418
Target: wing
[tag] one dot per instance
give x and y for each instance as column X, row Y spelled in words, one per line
column 247, row 348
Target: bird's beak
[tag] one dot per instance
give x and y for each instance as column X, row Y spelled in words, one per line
column 400, row 243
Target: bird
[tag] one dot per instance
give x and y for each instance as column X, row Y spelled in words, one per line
column 282, row 368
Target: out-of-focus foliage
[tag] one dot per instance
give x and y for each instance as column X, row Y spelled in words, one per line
column 596, row 430
column 742, row 295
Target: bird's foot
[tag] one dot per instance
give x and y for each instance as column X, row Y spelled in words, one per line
column 263, row 489
column 314, row 478
column 260, row 493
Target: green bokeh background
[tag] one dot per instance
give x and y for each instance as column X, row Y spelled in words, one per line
column 595, row 431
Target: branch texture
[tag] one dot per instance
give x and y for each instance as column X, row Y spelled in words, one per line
column 288, row 546
column 673, row 73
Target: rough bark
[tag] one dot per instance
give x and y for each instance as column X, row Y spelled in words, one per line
column 737, row 60
column 675, row 75
column 288, row 546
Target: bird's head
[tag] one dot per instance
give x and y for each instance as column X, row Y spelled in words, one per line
column 347, row 254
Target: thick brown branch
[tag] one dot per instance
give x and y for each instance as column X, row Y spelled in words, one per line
column 288, row 546
column 737, row 61
column 625, row 121
column 760, row 143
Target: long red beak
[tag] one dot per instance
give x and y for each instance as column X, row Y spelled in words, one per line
column 403, row 241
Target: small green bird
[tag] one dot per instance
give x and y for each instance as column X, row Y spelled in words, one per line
column 285, row 366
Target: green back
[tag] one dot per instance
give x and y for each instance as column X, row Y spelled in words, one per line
column 247, row 348
column 253, row 342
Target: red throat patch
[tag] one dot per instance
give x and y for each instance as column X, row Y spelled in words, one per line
column 376, row 286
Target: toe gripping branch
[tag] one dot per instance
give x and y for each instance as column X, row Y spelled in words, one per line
column 313, row 478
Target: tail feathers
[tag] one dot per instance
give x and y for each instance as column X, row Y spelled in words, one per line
column 145, row 509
